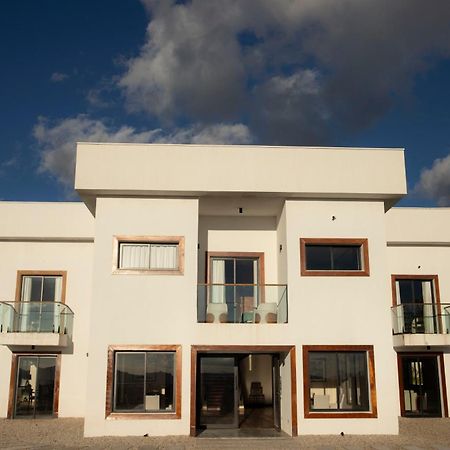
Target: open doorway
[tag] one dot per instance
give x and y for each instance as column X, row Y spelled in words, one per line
column 422, row 385
column 240, row 390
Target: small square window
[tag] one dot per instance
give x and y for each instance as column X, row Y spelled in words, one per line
column 162, row 255
column 328, row 257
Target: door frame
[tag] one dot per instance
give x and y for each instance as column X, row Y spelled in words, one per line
column 13, row 380
column 224, row 349
column 442, row 383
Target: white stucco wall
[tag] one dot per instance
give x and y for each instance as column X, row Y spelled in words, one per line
column 419, row 244
column 308, row 171
column 140, row 309
column 343, row 310
column 75, row 258
column 239, row 234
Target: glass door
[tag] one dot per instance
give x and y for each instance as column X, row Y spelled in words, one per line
column 35, row 386
column 421, row 386
column 419, row 307
column 235, row 280
column 38, row 310
column 218, row 392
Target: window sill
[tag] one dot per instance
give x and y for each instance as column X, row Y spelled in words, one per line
column 146, row 272
column 335, row 273
column 143, row 416
column 341, row 415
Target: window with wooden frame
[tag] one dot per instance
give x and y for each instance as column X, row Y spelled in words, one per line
column 143, row 382
column 339, row 381
column 416, row 304
column 158, row 255
column 334, row 257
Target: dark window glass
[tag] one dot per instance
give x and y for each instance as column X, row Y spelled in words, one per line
column 48, row 293
column 346, row 257
column 333, row 257
column 338, row 381
column 144, row 382
column 229, row 271
column 36, row 288
column 411, row 291
column 318, row 257
column 244, row 271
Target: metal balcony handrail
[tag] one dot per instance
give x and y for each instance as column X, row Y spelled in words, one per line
column 35, row 316
column 421, row 318
column 241, row 284
column 22, row 302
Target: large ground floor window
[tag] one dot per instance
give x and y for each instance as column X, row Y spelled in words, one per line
column 144, row 380
column 339, row 380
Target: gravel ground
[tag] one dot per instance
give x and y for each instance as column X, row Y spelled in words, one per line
column 415, row 434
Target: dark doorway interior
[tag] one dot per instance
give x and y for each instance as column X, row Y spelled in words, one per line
column 238, row 391
column 421, row 385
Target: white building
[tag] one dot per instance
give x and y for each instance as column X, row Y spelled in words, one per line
column 226, row 286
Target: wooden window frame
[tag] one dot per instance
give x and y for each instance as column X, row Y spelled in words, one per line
column 442, row 384
column 110, row 414
column 309, row 414
column 363, row 243
column 13, row 379
column 433, row 278
column 179, row 240
column 435, row 286
column 41, row 273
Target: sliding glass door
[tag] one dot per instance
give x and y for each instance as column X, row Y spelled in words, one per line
column 235, row 281
column 35, row 386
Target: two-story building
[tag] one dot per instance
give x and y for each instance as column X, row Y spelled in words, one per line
column 201, row 287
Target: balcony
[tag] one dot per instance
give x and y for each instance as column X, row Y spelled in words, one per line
column 421, row 324
column 242, row 303
column 46, row 324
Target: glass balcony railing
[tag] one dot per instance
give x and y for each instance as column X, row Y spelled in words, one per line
column 242, row 303
column 36, row 317
column 421, row 318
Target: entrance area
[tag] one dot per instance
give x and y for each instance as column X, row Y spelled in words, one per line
column 34, row 390
column 420, row 385
column 240, row 390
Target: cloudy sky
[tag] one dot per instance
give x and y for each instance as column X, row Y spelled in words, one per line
column 369, row 73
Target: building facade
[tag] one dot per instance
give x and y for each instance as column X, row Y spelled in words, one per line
column 201, row 287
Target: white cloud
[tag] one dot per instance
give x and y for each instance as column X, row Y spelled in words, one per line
column 57, row 77
column 57, row 140
column 434, row 183
column 196, row 63
column 8, row 164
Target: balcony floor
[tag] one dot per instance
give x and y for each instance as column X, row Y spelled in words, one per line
column 36, row 339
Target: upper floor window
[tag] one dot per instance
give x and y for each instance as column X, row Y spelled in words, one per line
column 40, row 286
column 416, row 304
column 327, row 257
column 149, row 254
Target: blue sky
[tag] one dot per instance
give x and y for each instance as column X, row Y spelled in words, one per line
column 311, row 72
